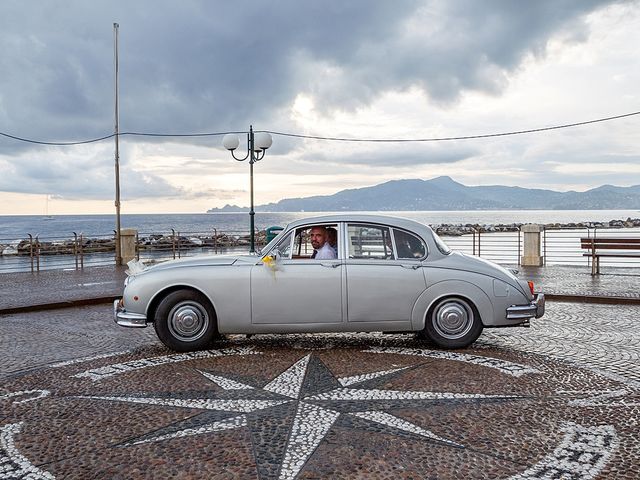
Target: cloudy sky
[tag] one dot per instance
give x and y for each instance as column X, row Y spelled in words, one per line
column 345, row 68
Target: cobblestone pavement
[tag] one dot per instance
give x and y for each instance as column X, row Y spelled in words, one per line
column 25, row 289
column 566, row 280
column 83, row 398
column 39, row 339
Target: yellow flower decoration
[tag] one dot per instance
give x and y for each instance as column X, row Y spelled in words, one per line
column 270, row 262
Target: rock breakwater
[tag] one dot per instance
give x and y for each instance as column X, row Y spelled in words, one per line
column 169, row 242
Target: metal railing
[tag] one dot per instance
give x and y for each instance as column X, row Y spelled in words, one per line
column 33, row 253
column 561, row 246
column 504, row 247
column 155, row 247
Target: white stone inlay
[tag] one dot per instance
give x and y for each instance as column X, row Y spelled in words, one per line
column 310, row 426
column 227, row 424
column 244, row 406
column 289, row 382
column 600, row 398
column 504, row 366
column 582, row 454
column 348, row 394
column 311, row 422
column 30, row 394
column 226, row 383
column 12, row 463
column 346, row 381
column 88, row 359
column 396, row 422
column 120, row 368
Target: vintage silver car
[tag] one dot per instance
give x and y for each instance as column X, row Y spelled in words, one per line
column 389, row 275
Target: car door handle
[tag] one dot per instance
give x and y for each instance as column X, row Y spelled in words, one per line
column 330, row 265
column 413, row 267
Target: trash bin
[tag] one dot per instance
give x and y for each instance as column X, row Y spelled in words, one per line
column 272, row 232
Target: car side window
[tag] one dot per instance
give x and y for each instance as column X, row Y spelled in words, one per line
column 371, row 242
column 303, row 242
column 408, row 245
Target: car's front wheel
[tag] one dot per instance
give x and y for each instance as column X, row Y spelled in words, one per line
column 185, row 321
column 453, row 323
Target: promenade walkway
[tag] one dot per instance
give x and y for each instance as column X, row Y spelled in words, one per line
column 21, row 292
column 81, row 397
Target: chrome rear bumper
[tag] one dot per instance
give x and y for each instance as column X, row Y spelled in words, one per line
column 126, row 319
column 524, row 312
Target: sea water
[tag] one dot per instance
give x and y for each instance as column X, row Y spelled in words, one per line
column 64, row 226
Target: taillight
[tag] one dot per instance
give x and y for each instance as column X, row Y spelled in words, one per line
column 530, row 286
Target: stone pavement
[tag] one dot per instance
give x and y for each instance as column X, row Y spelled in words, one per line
column 51, row 287
column 82, row 398
column 614, row 283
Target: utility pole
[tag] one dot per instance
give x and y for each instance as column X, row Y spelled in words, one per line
column 117, row 153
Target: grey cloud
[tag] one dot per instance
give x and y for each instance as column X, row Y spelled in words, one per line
column 80, row 175
column 210, row 193
column 394, row 156
column 197, row 66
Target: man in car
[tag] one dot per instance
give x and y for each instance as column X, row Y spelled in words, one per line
column 321, row 248
column 332, row 238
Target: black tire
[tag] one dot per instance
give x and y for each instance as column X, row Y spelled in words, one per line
column 185, row 321
column 452, row 322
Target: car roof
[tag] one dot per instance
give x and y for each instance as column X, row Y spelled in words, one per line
column 399, row 222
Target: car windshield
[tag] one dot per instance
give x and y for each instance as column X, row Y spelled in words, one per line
column 274, row 240
column 443, row 247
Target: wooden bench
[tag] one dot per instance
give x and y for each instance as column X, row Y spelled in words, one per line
column 609, row 247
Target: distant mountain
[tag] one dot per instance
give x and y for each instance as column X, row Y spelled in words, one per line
column 444, row 193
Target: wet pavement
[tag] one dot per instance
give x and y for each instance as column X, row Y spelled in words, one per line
column 32, row 290
column 81, row 397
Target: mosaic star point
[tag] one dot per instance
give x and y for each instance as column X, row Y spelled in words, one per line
column 304, row 403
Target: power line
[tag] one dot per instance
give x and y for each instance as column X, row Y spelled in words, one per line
column 444, row 139
column 122, row 134
column 39, row 142
column 318, row 137
column 213, row 134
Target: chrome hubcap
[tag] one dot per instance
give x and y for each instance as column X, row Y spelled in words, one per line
column 188, row 321
column 453, row 319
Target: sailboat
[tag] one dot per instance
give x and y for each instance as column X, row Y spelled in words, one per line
column 46, row 209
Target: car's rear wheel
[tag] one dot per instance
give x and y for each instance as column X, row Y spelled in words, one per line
column 453, row 323
column 185, row 321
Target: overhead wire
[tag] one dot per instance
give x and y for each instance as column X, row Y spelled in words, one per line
column 324, row 138
column 443, row 139
column 40, row 142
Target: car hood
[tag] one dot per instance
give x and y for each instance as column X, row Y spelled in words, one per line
column 204, row 261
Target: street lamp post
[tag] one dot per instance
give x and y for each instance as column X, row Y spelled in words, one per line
column 257, row 145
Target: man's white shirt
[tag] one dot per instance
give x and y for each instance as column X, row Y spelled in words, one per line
column 326, row 252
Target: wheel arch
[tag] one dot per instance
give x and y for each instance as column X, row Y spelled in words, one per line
column 160, row 295
column 452, row 289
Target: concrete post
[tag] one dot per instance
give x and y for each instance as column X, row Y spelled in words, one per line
column 531, row 251
column 128, row 244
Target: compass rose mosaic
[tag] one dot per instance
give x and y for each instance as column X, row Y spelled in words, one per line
column 341, row 413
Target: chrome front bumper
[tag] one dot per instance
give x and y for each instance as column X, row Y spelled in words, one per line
column 126, row 319
column 524, row 312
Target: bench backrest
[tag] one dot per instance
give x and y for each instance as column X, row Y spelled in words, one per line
column 604, row 243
